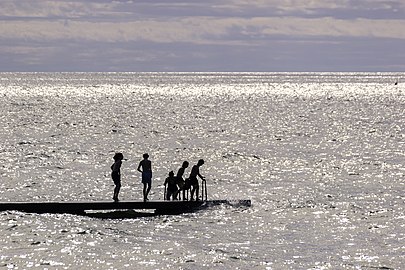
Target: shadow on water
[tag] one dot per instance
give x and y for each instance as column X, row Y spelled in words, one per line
column 128, row 214
column 132, row 214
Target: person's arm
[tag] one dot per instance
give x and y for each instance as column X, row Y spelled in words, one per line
column 199, row 175
column 139, row 167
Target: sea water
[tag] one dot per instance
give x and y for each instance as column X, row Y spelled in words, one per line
column 321, row 156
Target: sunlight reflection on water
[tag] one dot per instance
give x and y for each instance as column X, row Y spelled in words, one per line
column 320, row 155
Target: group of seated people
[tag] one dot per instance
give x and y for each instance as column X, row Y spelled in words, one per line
column 175, row 184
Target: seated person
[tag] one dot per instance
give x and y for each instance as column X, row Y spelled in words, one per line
column 172, row 189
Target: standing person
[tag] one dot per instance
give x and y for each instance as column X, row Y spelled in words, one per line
column 195, row 171
column 116, row 174
column 171, row 190
column 146, row 171
column 180, row 181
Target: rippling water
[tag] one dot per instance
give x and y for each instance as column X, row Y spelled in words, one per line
column 321, row 156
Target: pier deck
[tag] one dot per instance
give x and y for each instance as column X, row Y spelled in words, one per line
column 160, row 207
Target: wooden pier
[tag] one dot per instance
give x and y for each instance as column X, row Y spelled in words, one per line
column 80, row 208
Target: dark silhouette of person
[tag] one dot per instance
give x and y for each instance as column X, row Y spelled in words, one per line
column 195, row 171
column 146, row 171
column 171, row 190
column 180, row 181
column 116, row 174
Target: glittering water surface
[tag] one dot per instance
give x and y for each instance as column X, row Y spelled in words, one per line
column 320, row 155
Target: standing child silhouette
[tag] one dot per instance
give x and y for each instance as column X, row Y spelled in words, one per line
column 146, row 171
column 180, row 181
column 116, row 174
column 195, row 171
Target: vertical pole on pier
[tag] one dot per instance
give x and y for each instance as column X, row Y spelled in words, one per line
column 206, row 192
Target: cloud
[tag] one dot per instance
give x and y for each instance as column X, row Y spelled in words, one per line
column 10, row 9
column 201, row 30
column 112, row 10
column 170, row 21
column 160, row 32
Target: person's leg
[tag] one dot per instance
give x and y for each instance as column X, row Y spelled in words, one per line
column 144, row 191
column 148, row 190
column 175, row 193
column 197, row 188
column 192, row 193
column 116, row 191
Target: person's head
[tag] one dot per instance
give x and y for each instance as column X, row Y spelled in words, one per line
column 185, row 164
column 171, row 173
column 145, row 156
column 118, row 156
column 200, row 162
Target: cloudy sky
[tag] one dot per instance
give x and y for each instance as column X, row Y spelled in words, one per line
column 209, row 35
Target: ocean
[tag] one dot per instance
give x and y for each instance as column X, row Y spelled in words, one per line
column 320, row 155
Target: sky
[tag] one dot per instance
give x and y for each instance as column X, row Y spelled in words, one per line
column 209, row 35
